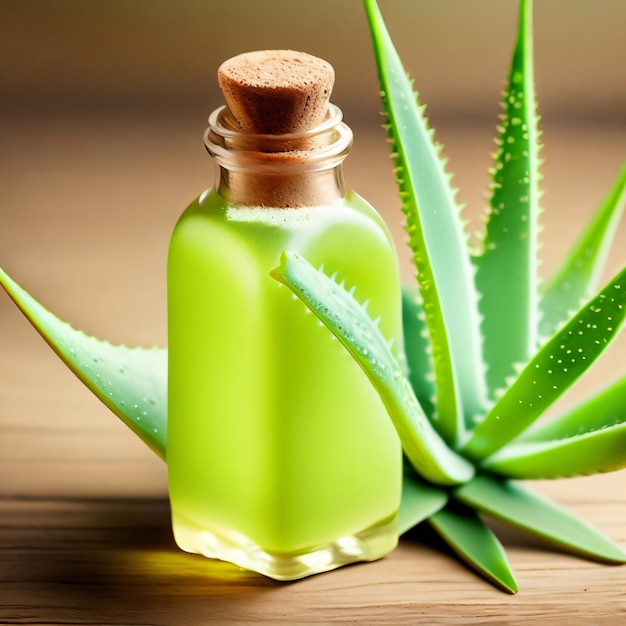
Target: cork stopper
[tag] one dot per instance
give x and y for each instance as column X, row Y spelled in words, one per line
column 276, row 92
column 274, row 97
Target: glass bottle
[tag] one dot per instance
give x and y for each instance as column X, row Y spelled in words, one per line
column 281, row 456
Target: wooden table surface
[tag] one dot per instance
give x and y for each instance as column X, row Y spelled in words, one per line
column 85, row 215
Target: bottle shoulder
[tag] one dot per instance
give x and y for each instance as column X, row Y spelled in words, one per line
column 210, row 207
column 347, row 232
column 363, row 206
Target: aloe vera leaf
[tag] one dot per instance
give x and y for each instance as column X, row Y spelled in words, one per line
column 469, row 537
column 586, row 440
column 590, row 453
column 555, row 367
column 419, row 502
column 508, row 502
column 582, row 269
column 437, row 240
column 418, row 351
column 132, row 382
column 348, row 321
column 507, row 275
column 604, row 409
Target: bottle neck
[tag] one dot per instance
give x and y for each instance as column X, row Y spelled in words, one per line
column 279, row 171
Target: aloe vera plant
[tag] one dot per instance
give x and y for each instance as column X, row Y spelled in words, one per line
column 502, row 348
column 488, row 348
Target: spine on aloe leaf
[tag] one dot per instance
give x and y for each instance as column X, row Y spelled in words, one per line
column 281, row 456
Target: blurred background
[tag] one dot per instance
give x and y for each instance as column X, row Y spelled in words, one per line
column 152, row 56
column 102, row 110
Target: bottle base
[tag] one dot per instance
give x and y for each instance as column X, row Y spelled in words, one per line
column 368, row 545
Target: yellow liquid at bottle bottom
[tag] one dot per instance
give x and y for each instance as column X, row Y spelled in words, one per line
column 281, row 456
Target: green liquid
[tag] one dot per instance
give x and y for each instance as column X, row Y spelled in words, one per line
column 281, row 456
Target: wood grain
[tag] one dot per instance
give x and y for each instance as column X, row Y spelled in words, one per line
column 113, row 561
column 84, row 519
